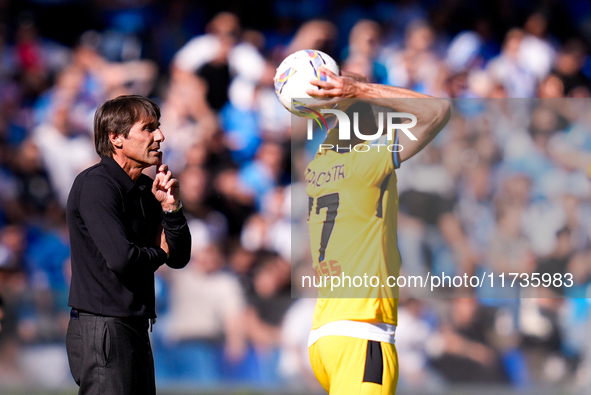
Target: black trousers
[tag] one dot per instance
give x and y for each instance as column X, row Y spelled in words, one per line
column 110, row 356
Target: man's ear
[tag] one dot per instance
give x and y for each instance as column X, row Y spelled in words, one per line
column 116, row 140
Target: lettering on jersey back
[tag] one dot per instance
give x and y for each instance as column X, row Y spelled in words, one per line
column 335, row 173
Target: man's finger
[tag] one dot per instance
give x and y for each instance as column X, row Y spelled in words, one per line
column 328, row 72
column 155, row 184
column 166, row 178
column 322, row 84
column 158, row 179
column 320, row 93
column 172, row 184
column 163, row 168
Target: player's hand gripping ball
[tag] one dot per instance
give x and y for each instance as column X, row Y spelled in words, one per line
column 293, row 79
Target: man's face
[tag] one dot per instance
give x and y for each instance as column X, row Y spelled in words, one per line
column 142, row 144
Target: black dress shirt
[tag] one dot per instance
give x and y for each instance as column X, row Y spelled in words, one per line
column 115, row 225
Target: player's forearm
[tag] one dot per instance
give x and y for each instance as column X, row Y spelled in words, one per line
column 366, row 90
column 397, row 98
column 432, row 114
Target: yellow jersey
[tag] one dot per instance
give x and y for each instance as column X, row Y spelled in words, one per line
column 352, row 217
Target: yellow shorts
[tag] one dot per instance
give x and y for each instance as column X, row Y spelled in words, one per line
column 349, row 366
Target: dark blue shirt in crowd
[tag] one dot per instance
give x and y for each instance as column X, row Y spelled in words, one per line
column 115, row 225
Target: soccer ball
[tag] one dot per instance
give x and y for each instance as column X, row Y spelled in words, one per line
column 292, row 80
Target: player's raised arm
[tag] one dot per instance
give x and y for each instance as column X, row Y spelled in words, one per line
column 432, row 114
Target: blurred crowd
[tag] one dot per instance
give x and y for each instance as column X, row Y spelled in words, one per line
column 501, row 189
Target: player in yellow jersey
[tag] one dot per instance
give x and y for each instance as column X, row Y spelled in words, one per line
column 353, row 207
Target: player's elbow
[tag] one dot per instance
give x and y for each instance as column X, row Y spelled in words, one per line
column 439, row 113
column 443, row 112
column 447, row 111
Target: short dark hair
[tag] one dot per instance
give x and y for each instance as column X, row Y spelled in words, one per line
column 117, row 116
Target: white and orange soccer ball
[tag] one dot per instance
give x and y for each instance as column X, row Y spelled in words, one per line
column 293, row 79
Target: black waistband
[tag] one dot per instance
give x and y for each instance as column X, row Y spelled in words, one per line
column 75, row 313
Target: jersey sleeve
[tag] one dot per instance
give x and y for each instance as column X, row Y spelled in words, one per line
column 372, row 162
